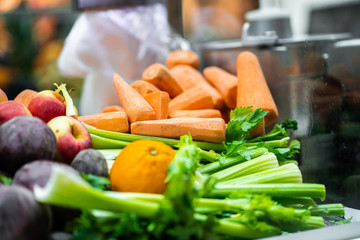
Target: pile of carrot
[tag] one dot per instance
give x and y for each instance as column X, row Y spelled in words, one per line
column 176, row 98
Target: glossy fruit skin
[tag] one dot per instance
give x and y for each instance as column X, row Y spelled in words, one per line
column 11, row 109
column 71, row 136
column 21, row 216
column 24, row 139
column 47, row 105
column 142, row 167
column 90, row 161
column 3, row 96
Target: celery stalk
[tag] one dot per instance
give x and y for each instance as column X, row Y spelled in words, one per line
column 273, row 143
column 226, row 227
column 263, row 162
column 288, row 173
column 109, row 154
column 333, row 209
column 73, row 192
column 230, row 161
column 126, row 137
column 312, row 190
column 106, row 143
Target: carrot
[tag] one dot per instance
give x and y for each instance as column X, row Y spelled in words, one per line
column 111, row 121
column 203, row 129
column 112, row 108
column 25, row 96
column 189, row 77
column 252, row 87
column 144, row 87
column 201, row 113
column 224, row 82
column 160, row 103
column 158, row 75
column 184, row 57
column 192, row 99
column 135, row 106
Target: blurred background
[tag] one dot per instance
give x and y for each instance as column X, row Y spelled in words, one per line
column 309, row 52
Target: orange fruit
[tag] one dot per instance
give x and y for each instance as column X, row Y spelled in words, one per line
column 141, row 167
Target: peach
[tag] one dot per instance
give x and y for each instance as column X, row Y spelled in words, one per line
column 72, row 137
column 11, row 109
column 3, row 96
column 47, row 105
column 25, row 96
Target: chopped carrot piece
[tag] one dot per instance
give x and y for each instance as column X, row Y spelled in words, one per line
column 160, row 103
column 158, row 75
column 182, row 57
column 200, row 113
column 110, row 121
column 203, row 129
column 189, row 77
column 144, row 87
column 135, row 106
column 224, row 82
column 192, row 99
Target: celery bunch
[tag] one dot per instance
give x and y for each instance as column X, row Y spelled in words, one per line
column 187, row 209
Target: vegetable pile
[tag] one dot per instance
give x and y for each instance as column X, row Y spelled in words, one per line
column 185, row 158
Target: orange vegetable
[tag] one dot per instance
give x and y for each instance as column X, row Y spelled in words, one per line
column 112, row 108
column 224, row 82
column 203, row 129
column 189, row 77
column 142, row 167
column 158, row 75
column 252, row 87
column 25, row 96
column 178, row 57
column 144, row 87
column 111, row 121
column 192, row 99
column 160, row 103
column 201, row 113
column 135, row 106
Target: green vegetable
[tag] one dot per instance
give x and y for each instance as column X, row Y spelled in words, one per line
column 118, row 140
column 263, row 162
column 288, row 173
column 98, row 182
column 70, row 108
column 290, row 190
column 242, row 122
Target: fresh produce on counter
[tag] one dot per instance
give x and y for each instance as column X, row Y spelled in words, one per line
column 157, row 176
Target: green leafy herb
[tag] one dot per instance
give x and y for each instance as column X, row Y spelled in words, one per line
column 102, row 183
column 242, row 121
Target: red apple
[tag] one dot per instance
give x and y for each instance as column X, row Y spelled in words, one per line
column 3, row 96
column 72, row 137
column 47, row 105
column 11, row 109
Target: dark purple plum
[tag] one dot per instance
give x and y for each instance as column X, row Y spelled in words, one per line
column 25, row 139
column 21, row 216
column 38, row 173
